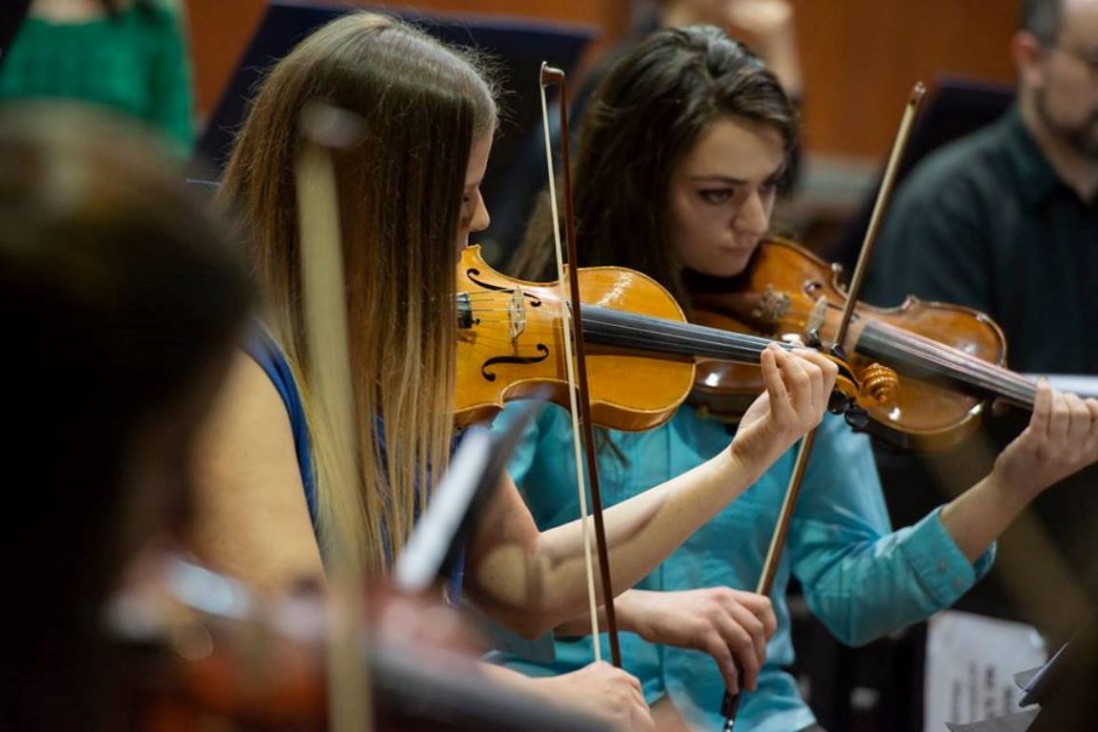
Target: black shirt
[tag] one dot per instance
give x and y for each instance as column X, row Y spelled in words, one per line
column 985, row 222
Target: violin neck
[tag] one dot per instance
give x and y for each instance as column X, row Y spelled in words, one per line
column 610, row 327
column 919, row 357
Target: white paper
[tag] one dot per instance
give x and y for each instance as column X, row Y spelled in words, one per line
column 970, row 665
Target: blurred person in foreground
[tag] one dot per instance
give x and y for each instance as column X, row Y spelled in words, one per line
column 122, row 300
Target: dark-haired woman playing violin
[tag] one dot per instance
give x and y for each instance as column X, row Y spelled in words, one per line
column 679, row 155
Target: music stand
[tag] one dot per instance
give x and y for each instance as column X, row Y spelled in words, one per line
column 518, row 47
column 470, row 483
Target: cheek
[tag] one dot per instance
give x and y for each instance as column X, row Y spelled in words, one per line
column 1070, row 95
column 697, row 231
column 680, row 235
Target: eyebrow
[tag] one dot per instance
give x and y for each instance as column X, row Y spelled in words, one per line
column 718, row 179
column 728, row 180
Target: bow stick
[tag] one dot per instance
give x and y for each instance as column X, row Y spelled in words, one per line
column 323, row 129
column 576, row 367
column 731, row 703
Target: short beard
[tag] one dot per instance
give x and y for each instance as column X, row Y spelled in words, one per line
column 1083, row 138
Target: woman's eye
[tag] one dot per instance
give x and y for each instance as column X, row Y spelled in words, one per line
column 717, row 196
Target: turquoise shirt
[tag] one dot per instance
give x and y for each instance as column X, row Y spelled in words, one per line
column 860, row 578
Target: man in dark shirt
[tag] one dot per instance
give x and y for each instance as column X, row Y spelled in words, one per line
column 1005, row 221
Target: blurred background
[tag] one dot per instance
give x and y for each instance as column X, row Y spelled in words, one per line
column 858, row 62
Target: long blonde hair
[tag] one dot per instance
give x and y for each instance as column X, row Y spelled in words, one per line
column 422, row 106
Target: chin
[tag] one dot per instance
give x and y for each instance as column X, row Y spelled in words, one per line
column 729, row 266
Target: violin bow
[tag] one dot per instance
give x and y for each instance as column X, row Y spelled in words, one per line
column 576, row 367
column 324, row 129
column 731, row 703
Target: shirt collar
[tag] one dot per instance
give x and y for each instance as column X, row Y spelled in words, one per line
column 1037, row 179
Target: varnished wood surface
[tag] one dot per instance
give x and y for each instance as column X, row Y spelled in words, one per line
column 628, row 391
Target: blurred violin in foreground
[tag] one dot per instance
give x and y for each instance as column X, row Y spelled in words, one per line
column 210, row 654
column 951, row 359
column 641, row 351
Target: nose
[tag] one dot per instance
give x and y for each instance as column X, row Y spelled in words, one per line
column 481, row 218
column 754, row 216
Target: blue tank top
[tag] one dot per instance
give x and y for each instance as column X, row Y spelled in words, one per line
column 263, row 349
column 265, row 352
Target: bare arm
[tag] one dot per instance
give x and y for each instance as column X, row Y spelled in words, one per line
column 1062, row 438
column 252, row 520
column 533, row 581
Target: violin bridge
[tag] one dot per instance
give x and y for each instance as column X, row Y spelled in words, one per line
column 516, row 314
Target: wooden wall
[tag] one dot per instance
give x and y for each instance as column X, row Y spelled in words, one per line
column 860, row 57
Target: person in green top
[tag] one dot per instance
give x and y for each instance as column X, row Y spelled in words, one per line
column 128, row 55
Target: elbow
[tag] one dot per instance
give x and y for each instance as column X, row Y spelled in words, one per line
column 855, row 640
column 533, row 631
column 531, row 625
column 850, row 632
column 527, row 623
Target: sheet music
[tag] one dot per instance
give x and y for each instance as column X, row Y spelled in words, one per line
column 970, row 663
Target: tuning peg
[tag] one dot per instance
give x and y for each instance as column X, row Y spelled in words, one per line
column 839, row 403
column 857, row 418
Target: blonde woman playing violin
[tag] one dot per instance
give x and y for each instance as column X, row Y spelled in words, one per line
column 679, row 155
column 409, row 198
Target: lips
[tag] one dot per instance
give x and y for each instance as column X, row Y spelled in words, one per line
column 738, row 251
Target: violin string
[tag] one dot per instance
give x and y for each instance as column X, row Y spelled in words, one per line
column 961, row 365
column 615, row 322
column 992, row 375
column 942, row 357
column 922, row 351
column 963, row 373
column 614, row 327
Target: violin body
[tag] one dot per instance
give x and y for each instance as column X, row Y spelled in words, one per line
column 241, row 661
column 510, row 346
column 787, row 291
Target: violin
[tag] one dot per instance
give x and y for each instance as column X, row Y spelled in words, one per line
column 213, row 655
column 951, row 359
column 642, row 357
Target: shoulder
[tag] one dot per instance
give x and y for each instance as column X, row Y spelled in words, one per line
column 250, row 404
column 252, row 514
column 247, row 445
